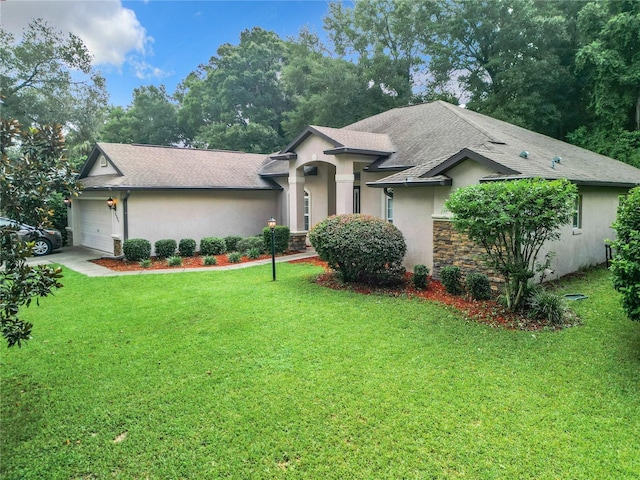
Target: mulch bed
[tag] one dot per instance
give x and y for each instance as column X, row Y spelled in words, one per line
column 161, row 264
column 489, row 312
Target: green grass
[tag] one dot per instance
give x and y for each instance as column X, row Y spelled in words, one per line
column 231, row 375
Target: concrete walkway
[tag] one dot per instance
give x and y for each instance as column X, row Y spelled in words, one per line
column 79, row 260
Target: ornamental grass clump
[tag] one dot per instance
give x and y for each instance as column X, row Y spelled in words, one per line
column 361, row 248
column 210, row 260
column 234, row 257
column 174, row 261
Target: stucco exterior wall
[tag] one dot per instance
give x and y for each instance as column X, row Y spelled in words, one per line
column 413, row 208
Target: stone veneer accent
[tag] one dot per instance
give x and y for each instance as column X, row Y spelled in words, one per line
column 69, row 236
column 117, row 247
column 298, row 241
column 453, row 248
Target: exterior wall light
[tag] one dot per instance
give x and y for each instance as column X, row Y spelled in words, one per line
column 67, row 202
column 111, row 203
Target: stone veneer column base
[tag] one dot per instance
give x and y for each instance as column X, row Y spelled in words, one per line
column 117, row 246
column 298, row 241
column 69, row 236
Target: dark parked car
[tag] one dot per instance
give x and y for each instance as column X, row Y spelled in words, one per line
column 45, row 240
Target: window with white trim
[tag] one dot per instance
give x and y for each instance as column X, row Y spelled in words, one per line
column 307, row 210
column 577, row 213
column 356, row 199
column 388, row 204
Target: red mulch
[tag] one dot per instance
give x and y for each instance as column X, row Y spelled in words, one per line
column 489, row 312
column 157, row 264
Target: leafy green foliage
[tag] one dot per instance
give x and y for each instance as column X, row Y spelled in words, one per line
column 361, row 248
column 511, row 221
column 281, row 238
column 254, row 253
column 187, row 247
column 626, row 262
column 234, row 257
column 146, row 263
column 212, row 246
column 546, row 305
column 47, row 79
column 136, row 249
column 246, row 244
column 232, row 242
column 420, row 276
column 174, row 261
column 451, row 279
column 478, row 286
column 210, row 260
column 165, row 248
column 27, row 182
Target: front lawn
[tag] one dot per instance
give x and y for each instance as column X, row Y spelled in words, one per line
column 229, row 375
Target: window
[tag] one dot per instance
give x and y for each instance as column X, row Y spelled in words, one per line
column 307, row 210
column 577, row 213
column 356, row 199
column 103, row 161
column 388, row 204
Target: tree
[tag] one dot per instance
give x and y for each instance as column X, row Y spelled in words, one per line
column 514, row 59
column 27, row 181
column 608, row 60
column 626, row 263
column 48, row 79
column 236, row 101
column 512, row 220
column 150, row 119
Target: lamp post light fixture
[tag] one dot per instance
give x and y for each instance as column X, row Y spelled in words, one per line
column 111, row 203
column 271, row 223
column 67, row 202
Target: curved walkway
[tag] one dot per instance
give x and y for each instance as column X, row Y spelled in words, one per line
column 79, row 260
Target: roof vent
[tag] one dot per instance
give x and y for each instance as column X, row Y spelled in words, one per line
column 524, row 154
column 555, row 160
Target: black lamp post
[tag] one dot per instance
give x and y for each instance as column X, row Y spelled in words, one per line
column 271, row 223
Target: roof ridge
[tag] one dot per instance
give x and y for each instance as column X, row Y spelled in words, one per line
column 456, row 111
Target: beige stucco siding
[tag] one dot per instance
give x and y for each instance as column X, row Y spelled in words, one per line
column 413, row 208
column 578, row 248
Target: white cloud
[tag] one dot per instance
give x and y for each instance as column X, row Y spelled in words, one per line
column 110, row 31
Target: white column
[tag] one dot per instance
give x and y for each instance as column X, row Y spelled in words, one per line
column 344, row 187
column 296, row 201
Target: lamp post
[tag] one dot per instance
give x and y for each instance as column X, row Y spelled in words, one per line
column 271, row 223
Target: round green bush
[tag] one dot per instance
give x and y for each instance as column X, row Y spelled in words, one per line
column 420, row 276
column 478, row 286
column 361, row 248
column 232, row 242
column 450, row 276
column 187, row 247
column 212, row 246
column 249, row 243
column 280, row 237
column 165, row 248
column 136, row 249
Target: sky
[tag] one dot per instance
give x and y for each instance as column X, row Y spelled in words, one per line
column 156, row 42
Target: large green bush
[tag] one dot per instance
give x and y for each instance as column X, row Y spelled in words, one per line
column 232, row 242
column 249, row 243
column 361, row 248
column 626, row 262
column 136, row 249
column 212, row 246
column 281, row 238
column 187, row 247
column 165, row 248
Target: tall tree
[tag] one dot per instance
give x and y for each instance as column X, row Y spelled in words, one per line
column 47, row 78
column 511, row 59
column 150, row 119
column 236, row 101
column 609, row 59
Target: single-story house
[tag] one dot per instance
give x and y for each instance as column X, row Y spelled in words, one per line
column 400, row 165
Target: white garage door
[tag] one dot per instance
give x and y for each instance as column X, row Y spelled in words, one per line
column 95, row 225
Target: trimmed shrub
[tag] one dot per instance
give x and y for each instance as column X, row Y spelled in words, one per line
column 187, row 247
column 212, row 246
column 361, row 248
column 281, row 236
column 234, row 257
column 478, row 286
column 626, row 261
column 209, row 260
column 232, row 242
column 450, row 276
column 249, row 243
column 543, row 305
column 174, row 261
column 165, row 248
column 136, row 249
column 253, row 253
column 420, row 276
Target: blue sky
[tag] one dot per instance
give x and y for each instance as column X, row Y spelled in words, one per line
column 160, row 41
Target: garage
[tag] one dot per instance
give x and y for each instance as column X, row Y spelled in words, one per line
column 96, row 226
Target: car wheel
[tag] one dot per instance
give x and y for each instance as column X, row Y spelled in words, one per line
column 41, row 247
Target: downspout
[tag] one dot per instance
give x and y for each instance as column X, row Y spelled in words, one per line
column 125, row 215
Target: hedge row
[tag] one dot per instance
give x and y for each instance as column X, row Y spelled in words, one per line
column 138, row 249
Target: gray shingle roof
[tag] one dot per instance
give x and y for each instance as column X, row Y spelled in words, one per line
column 433, row 133
column 153, row 167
